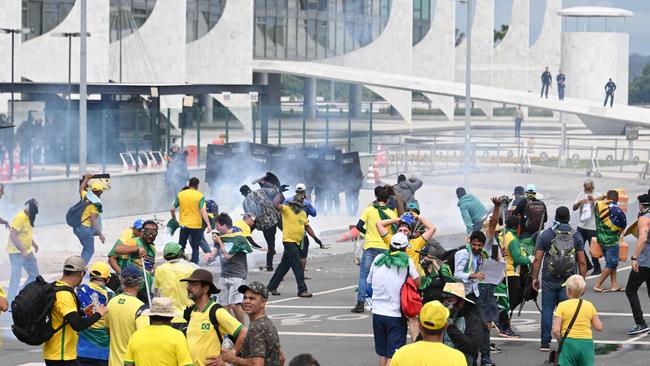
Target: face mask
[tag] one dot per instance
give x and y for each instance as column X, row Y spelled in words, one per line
column 425, row 263
column 448, row 305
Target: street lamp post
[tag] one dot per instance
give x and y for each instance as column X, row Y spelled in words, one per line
column 69, row 36
column 468, row 97
column 13, row 32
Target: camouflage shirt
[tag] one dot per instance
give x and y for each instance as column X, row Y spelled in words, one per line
column 260, row 203
column 262, row 340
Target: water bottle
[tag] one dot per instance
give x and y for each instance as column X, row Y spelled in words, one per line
column 227, row 345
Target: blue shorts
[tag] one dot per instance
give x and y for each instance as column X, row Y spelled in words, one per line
column 390, row 334
column 611, row 256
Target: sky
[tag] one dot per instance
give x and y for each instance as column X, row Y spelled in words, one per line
column 637, row 26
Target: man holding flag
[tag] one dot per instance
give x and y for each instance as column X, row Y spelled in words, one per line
column 234, row 266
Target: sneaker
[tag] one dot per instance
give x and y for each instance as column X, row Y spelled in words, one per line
column 487, row 361
column 305, row 294
column 638, row 329
column 269, row 268
column 358, row 308
column 545, row 348
column 509, row 333
column 274, row 292
column 494, row 349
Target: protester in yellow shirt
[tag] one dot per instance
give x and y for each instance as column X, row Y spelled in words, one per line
column 158, row 344
column 203, row 337
column 65, row 316
column 192, row 209
column 4, row 305
column 246, row 225
column 91, row 222
column 294, row 224
column 577, row 347
column 430, row 351
column 373, row 244
column 125, row 314
column 21, row 247
column 415, row 245
column 168, row 280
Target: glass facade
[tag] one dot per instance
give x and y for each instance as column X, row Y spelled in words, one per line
column 41, row 16
column 126, row 16
column 422, row 11
column 202, row 16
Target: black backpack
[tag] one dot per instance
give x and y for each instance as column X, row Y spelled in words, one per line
column 32, row 312
column 450, row 258
column 535, row 212
column 561, row 258
column 187, row 314
column 73, row 216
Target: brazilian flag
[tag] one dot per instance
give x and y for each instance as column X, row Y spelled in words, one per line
column 610, row 223
column 236, row 242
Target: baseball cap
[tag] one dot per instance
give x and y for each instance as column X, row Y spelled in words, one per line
column 301, row 187
column 399, row 241
column 413, row 206
column 74, row 264
column 100, row 270
column 644, row 199
column 256, row 287
column 434, row 315
column 172, row 249
column 427, row 250
column 137, row 224
column 131, row 271
column 531, row 188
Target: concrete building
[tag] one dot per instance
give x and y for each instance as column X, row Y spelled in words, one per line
column 218, row 42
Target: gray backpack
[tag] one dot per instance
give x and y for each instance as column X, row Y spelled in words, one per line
column 561, row 258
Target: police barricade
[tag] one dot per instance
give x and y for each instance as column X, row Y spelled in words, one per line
column 216, row 161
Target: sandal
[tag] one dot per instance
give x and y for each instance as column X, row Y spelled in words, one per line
column 599, row 290
column 619, row 289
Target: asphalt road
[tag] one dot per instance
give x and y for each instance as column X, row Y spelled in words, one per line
column 324, row 326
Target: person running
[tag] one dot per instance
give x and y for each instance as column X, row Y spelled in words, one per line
column 433, row 323
column 561, row 84
column 573, row 322
column 386, row 277
column 585, row 205
column 93, row 347
column 260, row 203
column 192, row 213
column 415, row 245
column 640, row 267
column 373, row 243
column 21, row 248
column 128, row 236
column 168, row 280
column 294, row 224
column 610, row 224
column 261, row 346
column 61, row 349
column 125, row 314
column 234, row 249
column 91, row 222
column 610, row 88
column 208, row 322
column 532, row 213
column 158, row 343
column 406, row 189
column 557, row 244
column 519, row 118
column 547, row 79
column 471, row 209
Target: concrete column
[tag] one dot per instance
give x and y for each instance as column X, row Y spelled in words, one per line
column 309, row 98
column 206, row 103
column 274, row 101
column 355, row 100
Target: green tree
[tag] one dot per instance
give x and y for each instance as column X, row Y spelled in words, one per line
column 640, row 87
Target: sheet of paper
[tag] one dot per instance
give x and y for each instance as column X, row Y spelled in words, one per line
column 494, row 271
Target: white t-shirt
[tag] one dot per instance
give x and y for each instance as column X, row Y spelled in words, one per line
column 387, row 286
column 589, row 224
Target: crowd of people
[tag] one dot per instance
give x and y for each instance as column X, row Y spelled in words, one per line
column 130, row 309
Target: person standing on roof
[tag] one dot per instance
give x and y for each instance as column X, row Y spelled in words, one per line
column 471, row 209
column 561, row 80
column 610, row 88
column 519, row 118
column 193, row 213
column 547, row 79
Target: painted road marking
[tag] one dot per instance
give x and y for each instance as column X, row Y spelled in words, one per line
column 290, row 319
column 315, row 294
column 362, row 335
